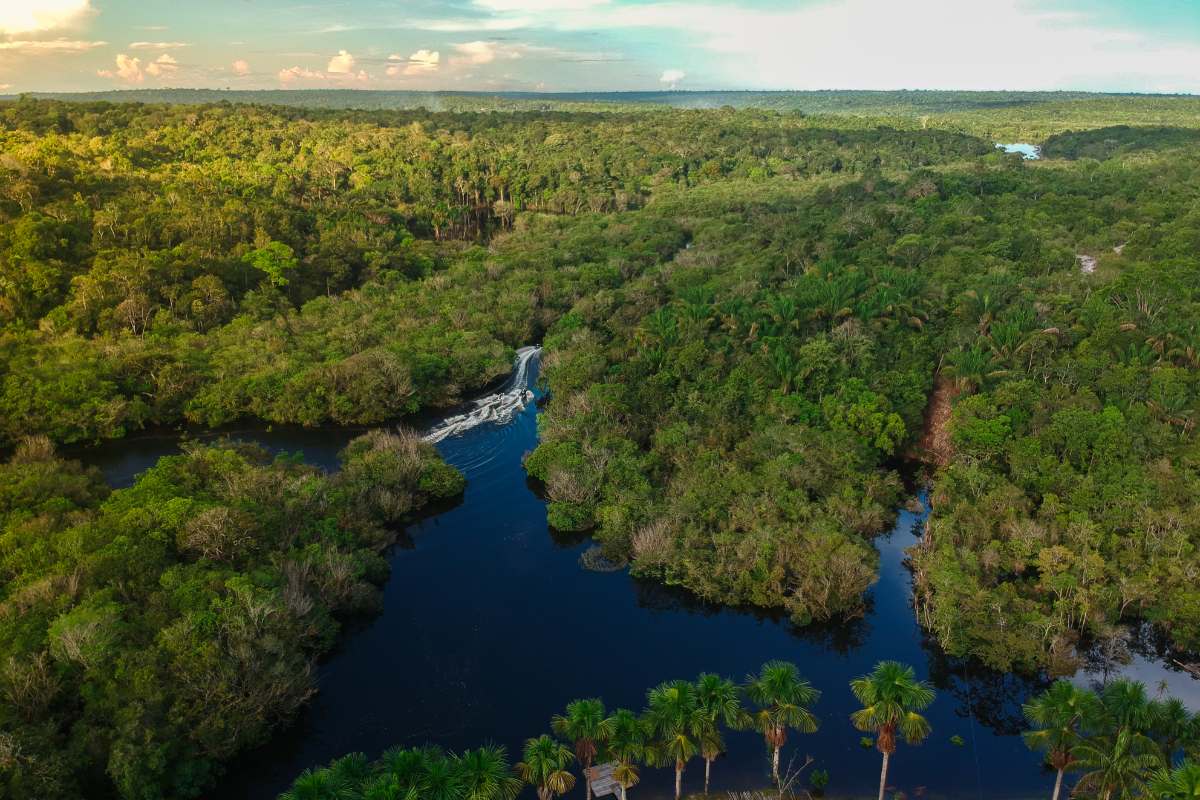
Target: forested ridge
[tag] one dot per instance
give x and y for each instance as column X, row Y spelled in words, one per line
column 744, row 315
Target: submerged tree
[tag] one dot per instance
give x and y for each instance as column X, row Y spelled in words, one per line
column 892, row 698
column 783, row 699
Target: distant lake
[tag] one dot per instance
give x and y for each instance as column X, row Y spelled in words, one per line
column 1029, row 151
column 490, row 626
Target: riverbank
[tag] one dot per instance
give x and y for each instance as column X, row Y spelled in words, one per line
column 439, row 664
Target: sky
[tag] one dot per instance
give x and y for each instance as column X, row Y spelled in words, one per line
column 595, row 45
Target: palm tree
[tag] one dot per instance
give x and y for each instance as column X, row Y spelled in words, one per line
column 627, row 744
column 1056, row 716
column 442, row 778
column 712, row 744
column 1126, row 705
column 485, row 774
column 1116, row 766
column 351, row 770
column 384, row 787
column 718, row 698
column 1181, row 783
column 1171, row 726
column 318, row 784
column 544, row 767
column 586, row 725
column 783, row 698
column 675, row 721
column 407, row 767
column 892, row 698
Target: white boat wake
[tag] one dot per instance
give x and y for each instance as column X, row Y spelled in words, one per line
column 499, row 408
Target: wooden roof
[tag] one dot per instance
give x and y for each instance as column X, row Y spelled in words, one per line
column 602, row 779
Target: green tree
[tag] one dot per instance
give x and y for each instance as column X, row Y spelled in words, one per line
column 275, row 260
column 1116, row 767
column 675, row 720
column 627, row 744
column 783, row 699
column 721, row 703
column 892, row 699
column 316, row 784
column 1180, row 783
column 1172, row 726
column 1057, row 716
column 485, row 774
column 585, row 725
column 545, row 766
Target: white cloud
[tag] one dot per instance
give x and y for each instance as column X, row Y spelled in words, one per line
column 241, row 67
column 49, row 46
column 294, row 74
column 672, row 77
column 968, row 44
column 311, row 77
column 422, row 62
column 157, row 45
column 162, row 66
column 480, row 52
column 34, row 16
column 341, row 64
column 5, row 86
column 129, row 69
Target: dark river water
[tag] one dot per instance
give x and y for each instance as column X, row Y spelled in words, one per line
column 490, row 626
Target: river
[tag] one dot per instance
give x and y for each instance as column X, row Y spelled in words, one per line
column 489, row 626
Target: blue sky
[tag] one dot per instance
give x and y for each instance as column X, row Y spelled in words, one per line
column 569, row 45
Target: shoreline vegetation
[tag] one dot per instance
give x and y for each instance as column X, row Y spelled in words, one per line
column 1117, row 742
column 152, row 633
column 745, row 312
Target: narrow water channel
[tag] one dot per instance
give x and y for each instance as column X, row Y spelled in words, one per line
column 490, row 626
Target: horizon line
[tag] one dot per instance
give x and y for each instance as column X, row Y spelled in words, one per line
column 567, row 92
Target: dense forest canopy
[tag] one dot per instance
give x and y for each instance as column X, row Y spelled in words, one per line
column 150, row 633
column 745, row 314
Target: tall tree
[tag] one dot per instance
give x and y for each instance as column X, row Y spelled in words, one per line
column 892, row 699
column 783, row 699
column 545, row 766
column 585, row 725
column 675, row 721
column 1057, row 716
column 721, row 703
column 627, row 744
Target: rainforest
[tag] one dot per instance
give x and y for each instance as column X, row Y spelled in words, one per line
column 773, row 418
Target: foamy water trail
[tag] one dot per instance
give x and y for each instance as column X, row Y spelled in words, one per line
column 499, row 408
